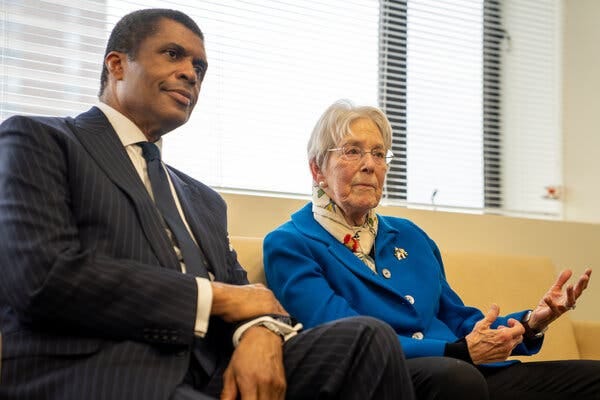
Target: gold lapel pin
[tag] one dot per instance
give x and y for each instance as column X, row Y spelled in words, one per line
column 400, row 254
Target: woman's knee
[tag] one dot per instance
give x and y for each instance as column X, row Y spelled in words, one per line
column 447, row 378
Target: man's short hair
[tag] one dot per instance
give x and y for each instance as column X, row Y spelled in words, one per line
column 131, row 30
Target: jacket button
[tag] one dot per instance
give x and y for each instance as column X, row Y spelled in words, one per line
column 410, row 299
column 418, row 335
column 386, row 273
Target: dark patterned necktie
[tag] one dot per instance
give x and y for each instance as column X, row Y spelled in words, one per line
column 194, row 260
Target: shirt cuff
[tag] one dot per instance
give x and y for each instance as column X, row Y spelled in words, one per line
column 285, row 331
column 205, row 296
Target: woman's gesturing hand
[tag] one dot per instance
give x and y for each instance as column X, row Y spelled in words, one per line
column 491, row 345
column 557, row 301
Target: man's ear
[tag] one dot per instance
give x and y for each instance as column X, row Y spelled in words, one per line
column 116, row 62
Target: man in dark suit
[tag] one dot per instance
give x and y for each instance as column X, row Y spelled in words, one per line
column 105, row 293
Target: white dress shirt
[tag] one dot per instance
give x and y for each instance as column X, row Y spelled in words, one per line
column 130, row 134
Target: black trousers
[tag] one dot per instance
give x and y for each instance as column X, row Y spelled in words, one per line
column 448, row 378
column 356, row 358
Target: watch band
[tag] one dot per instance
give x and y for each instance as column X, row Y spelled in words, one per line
column 529, row 332
column 277, row 324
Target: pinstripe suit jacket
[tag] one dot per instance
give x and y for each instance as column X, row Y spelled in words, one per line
column 92, row 303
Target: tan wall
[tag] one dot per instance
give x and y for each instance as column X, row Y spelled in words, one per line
column 568, row 244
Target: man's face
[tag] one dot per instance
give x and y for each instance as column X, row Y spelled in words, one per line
column 159, row 89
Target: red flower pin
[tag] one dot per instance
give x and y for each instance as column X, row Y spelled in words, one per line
column 351, row 242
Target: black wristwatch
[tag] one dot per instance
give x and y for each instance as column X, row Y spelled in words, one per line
column 529, row 332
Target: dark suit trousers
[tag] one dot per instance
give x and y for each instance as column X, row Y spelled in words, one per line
column 445, row 378
column 353, row 358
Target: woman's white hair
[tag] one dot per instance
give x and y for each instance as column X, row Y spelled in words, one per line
column 334, row 125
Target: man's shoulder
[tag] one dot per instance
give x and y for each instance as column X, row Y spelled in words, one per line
column 60, row 124
column 38, row 121
column 36, row 130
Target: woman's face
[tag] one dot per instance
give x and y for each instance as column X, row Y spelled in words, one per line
column 355, row 186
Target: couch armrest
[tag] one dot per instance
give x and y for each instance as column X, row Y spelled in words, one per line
column 586, row 335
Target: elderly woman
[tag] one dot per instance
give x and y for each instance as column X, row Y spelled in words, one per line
column 333, row 260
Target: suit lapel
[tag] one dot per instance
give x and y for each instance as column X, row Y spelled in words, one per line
column 353, row 263
column 387, row 238
column 101, row 141
column 203, row 226
column 306, row 224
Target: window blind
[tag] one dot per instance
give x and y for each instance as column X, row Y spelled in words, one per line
column 532, row 106
column 473, row 92
column 442, row 101
column 51, row 56
column 472, row 88
column 273, row 68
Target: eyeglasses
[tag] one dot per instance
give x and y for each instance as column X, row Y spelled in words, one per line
column 355, row 153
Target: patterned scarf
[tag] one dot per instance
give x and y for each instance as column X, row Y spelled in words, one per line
column 359, row 239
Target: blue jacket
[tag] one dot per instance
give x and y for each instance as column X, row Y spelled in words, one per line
column 318, row 279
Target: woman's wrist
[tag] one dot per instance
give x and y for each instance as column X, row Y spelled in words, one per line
column 458, row 349
column 532, row 330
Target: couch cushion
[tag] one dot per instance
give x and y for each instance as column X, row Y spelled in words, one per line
column 514, row 283
column 249, row 252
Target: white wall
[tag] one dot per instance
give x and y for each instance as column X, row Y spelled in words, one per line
column 581, row 114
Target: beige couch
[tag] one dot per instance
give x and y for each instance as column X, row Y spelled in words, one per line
column 513, row 282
